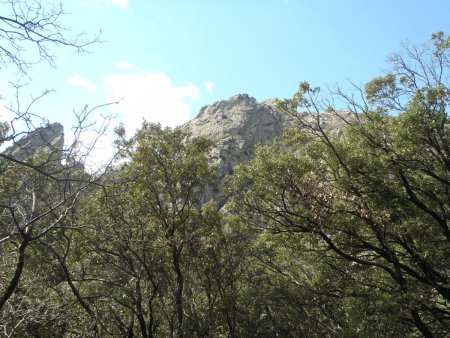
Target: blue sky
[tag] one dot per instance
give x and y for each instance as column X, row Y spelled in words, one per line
column 169, row 58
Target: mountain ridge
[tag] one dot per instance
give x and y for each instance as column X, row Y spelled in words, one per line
column 235, row 125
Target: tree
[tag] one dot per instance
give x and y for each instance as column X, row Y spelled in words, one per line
column 146, row 233
column 375, row 199
column 30, row 29
column 39, row 190
column 39, row 187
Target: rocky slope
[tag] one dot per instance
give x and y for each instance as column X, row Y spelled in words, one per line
column 235, row 126
column 49, row 139
column 238, row 124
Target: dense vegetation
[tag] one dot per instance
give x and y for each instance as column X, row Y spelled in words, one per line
column 325, row 235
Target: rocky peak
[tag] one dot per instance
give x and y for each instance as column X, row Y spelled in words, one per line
column 240, row 118
column 49, row 139
column 235, row 126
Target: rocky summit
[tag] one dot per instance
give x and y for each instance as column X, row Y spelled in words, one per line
column 238, row 124
column 49, row 138
column 235, row 126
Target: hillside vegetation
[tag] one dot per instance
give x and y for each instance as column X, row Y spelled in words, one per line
column 325, row 233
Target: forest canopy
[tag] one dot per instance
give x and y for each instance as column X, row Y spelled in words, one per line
column 324, row 234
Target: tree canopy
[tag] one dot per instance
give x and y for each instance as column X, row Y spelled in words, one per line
column 341, row 233
column 373, row 202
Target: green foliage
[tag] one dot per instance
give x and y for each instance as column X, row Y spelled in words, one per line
column 328, row 234
column 4, row 128
column 371, row 205
column 148, row 233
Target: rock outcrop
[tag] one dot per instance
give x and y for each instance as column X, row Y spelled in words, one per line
column 235, row 126
column 49, row 139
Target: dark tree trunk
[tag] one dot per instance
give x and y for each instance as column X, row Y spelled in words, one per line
column 14, row 282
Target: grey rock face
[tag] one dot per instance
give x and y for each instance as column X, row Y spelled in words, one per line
column 238, row 124
column 235, row 126
column 49, row 139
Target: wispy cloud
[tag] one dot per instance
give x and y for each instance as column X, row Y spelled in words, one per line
column 124, row 64
column 209, row 86
column 101, row 146
column 80, row 81
column 152, row 96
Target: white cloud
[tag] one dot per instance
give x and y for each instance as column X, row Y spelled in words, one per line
column 93, row 151
column 209, row 86
column 93, row 147
column 124, row 64
column 152, row 96
column 79, row 81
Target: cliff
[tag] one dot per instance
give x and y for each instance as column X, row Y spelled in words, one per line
column 49, row 139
